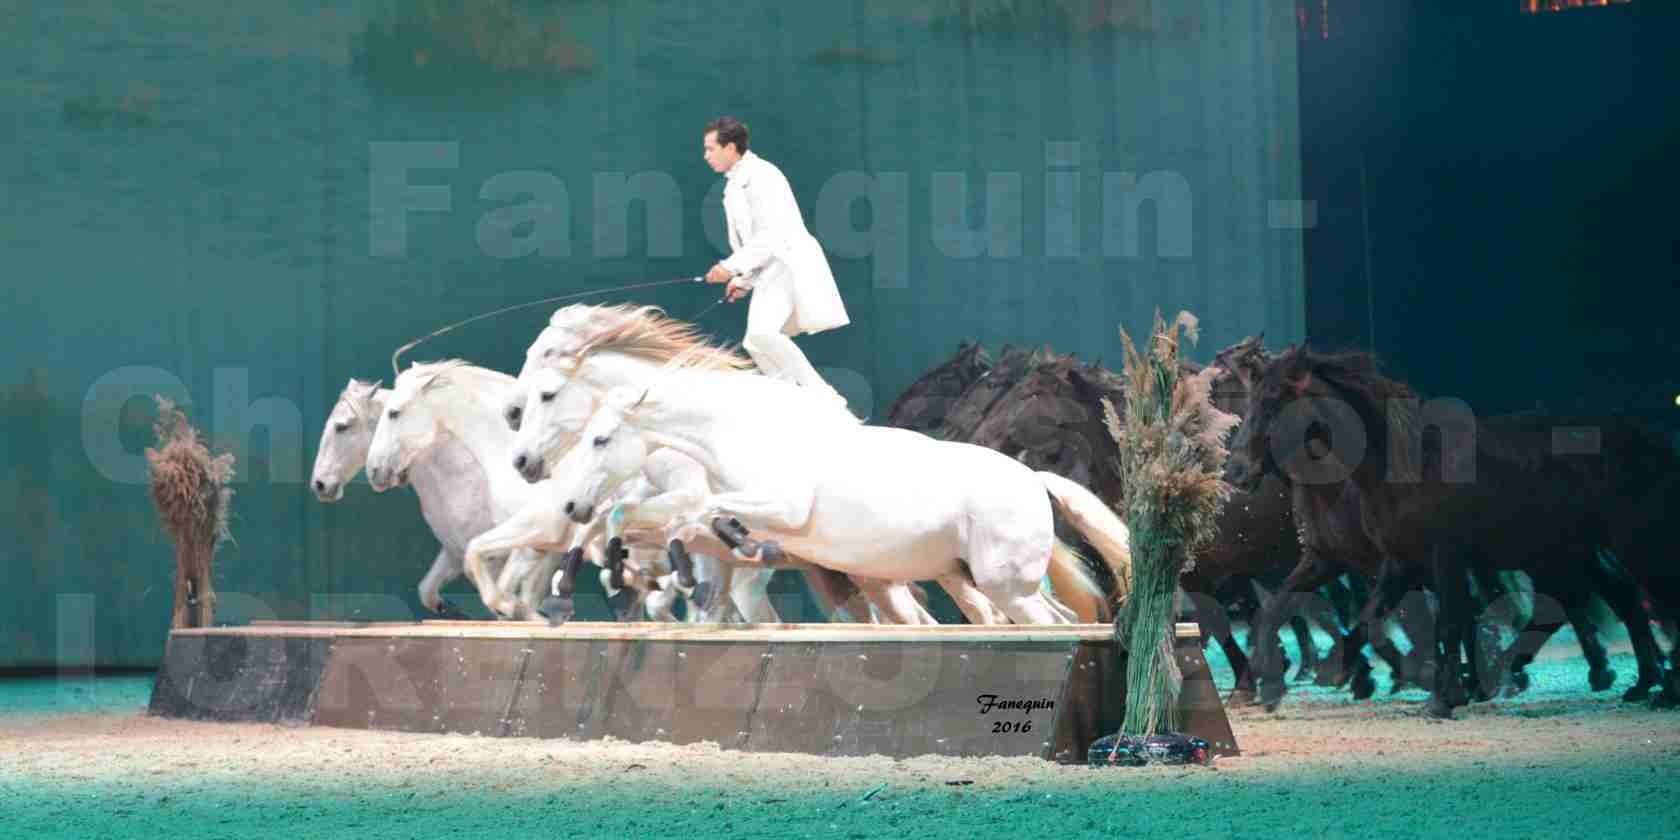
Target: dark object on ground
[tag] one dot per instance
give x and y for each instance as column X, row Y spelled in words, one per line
column 1139, row 750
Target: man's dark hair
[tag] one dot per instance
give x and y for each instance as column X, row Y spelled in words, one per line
column 729, row 130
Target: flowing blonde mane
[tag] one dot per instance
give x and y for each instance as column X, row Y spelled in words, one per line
column 646, row 333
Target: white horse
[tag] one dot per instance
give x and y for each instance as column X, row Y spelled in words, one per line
column 875, row 503
column 448, row 414
column 599, row 347
column 453, row 517
column 445, row 417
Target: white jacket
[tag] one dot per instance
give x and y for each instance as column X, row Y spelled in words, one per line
column 768, row 234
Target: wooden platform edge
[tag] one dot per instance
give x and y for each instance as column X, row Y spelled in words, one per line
column 776, row 690
column 607, row 630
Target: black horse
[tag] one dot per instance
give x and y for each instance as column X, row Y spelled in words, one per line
column 1350, row 440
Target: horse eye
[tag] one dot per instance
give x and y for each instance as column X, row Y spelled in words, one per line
column 392, row 414
column 547, row 396
column 601, row 440
column 341, row 427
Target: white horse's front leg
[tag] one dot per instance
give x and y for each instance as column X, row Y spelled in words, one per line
column 537, row 525
column 445, row 568
column 975, row 606
column 510, row 584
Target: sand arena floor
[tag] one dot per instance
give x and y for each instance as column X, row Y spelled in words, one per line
column 78, row 758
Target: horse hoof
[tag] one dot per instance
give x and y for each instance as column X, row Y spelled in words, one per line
column 1664, row 700
column 731, row 531
column 1602, row 680
column 1306, row 675
column 1330, row 678
column 1364, row 686
column 1438, row 709
column 446, row 610
column 557, row 610
column 1640, row 692
column 770, row 554
column 1240, row 697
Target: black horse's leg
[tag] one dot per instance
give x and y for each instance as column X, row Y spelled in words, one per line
column 1210, row 615
column 1309, row 573
column 1451, row 585
column 1309, row 652
column 1621, row 594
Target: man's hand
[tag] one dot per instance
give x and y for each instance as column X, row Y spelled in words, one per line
column 719, row 274
column 735, row 291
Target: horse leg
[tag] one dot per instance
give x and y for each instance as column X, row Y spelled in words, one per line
column 1621, row 594
column 1600, row 675
column 445, row 568
column 1389, row 589
column 531, row 586
column 973, row 603
column 893, row 601
column 838, row 595
column 1309, row 573
column 558, row 607
column 521, row 564
column 535, row 525
column 1309, row 653
column 749, row 591
column 1210, row 616
column 1451, row 577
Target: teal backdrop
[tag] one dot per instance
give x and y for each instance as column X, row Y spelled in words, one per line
column 242, row 206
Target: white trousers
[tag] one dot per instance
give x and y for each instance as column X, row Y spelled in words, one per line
column 772, row 350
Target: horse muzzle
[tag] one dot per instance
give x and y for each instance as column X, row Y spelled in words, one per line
column 530, row 469
column 581, row 514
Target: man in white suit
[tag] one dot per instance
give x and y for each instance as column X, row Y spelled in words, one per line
column 774, row 258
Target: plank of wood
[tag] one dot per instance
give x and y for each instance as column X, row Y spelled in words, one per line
column 663, row 631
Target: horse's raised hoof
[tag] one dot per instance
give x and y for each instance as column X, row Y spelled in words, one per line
column 557, row 610
column 681, row 563
column 770, row 553
column 1306, row 675
column 731, row 531
column 449, row 611
column 1601, row 680
column 1331, row 677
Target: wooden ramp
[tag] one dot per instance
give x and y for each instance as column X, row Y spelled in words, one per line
column 826, row 689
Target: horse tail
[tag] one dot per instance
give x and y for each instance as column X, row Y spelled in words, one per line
column 1103, row 530
column 1075, row 586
